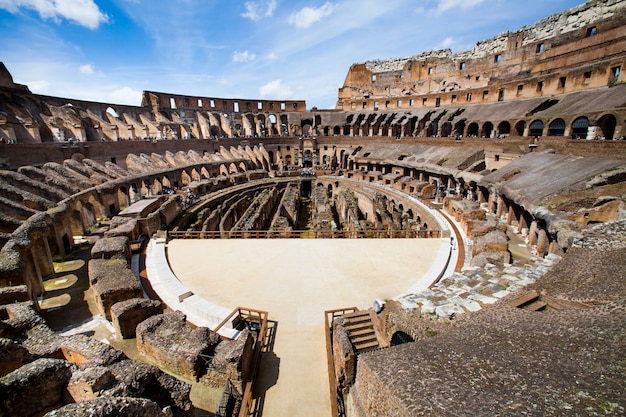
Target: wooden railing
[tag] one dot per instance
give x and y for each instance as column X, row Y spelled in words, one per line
column 336, row 397
column 304, row 234
column 258, row 317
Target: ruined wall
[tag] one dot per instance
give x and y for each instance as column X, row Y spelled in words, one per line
column 574, row 44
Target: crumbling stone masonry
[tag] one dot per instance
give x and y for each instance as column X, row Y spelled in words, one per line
column 112, row 282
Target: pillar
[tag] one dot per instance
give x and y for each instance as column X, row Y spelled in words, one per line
column 543, row 243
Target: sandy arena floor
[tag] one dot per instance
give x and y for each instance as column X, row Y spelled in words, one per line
column 296, row 280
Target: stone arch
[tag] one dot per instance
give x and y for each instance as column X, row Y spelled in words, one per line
column 472, row 129
column 145, row 190
column 223, row 169
column 112, row 112
column 536, row 128
column 307, row 126
column 157, row 187
column 556, row 127
column 204, row 173
column 519, row 128
column 446, row 129
column 460, row 127
column 184, row 177
column 88, row 215
column 232, row 168
column 195, row 175
column 504, row 128
column 400, row 337
column 242, row 167
column 123, row 198
column 607, row 124
column 337, row 130
column 487, row 130
column 433, row 127
column 580, row 127
column 215, row 131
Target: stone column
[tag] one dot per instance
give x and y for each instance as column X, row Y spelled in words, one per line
column 532, row 233
column 42, row 256
column 543, row 243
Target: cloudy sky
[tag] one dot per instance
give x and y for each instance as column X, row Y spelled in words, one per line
column 112, row 50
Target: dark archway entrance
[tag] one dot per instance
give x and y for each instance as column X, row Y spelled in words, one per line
column 400, row 338
column 607, row 124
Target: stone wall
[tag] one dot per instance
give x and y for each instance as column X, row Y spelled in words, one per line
column 167, row 340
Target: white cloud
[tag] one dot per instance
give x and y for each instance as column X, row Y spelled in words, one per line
column 87, row 69
column 126, row 95
column 38, row 86
column 309, row 15
column 445, row 5
column 256, row 10
column 447, row 42
column 84, row 12
column 244, row 56
column 275, row 90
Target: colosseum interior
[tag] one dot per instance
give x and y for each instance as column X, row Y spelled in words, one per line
column 450, row 240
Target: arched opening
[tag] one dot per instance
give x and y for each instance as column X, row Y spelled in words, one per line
column 504, row 128
column 307, row 126
column 472, row 130
column 580, row 127
column 460, row 127
column 487, row 129
column 536, row 128
column 607, row 124
column 112, row 112
column 400, row 337
column 556, row 128
column 519, row 128
column 446, row 129
column 337, row 131
column 307, row 160
column 432, row 129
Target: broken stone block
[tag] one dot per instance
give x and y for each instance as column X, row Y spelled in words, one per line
column 344, row 357
column 127, row 314
column 112, row 282
column 34, row 387
column 167, row 340
column 233, row 358
column 111, row 248
column 80, row 349
column 88, row 383
column 15, row 294
column 12, row 356
column 112, row 407
column 494, row 241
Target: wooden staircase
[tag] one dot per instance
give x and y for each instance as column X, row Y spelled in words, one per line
column 361, row 331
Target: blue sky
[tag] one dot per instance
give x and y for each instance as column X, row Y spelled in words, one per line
column 112, row 50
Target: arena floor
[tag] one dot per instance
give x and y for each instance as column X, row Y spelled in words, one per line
column 296, row 280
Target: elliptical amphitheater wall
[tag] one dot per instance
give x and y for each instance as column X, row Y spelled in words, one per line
column 56, row 188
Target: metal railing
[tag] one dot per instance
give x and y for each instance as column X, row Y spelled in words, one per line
column 304, row 234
